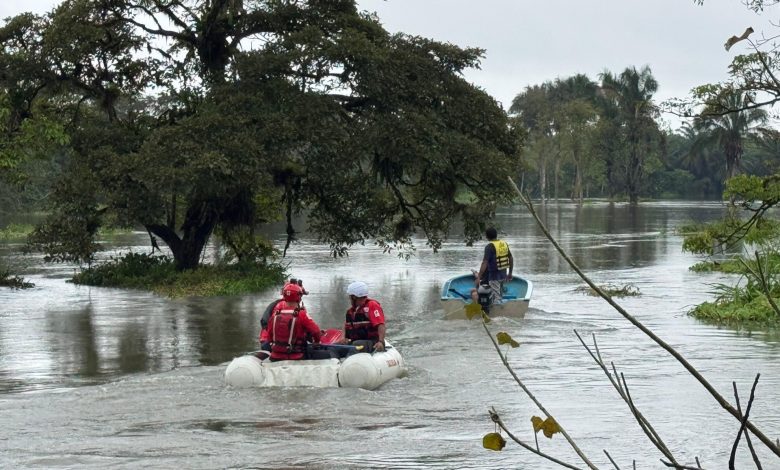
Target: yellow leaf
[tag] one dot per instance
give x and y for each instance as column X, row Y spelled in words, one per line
column 537, row 422
column 493, row 441
column 550, row 427
column 472, row 310
column 504, row 338
column 485, row 317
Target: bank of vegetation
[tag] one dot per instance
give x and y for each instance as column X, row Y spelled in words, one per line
column 159, row 274
column 744, row 243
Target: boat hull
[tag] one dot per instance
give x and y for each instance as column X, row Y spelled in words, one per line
column 367, row 371
column 456, row 294
column 455, row 309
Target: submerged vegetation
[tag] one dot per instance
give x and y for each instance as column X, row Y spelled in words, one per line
column 12, row 281
column 614, row 290
column 159, row 274
column 751, row 298
column 15, row 232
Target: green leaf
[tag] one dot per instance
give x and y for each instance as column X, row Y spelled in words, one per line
column 493, row 441
column 472, row 310
column 504, row 338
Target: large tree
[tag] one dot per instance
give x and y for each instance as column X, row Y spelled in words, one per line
column 631, row 93
column 201, row 116
column 726, row 123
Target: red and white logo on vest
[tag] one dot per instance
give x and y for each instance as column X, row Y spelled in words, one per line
column 376, row 313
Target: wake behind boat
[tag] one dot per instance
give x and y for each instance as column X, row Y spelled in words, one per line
column 359, row 370
column 456, row 294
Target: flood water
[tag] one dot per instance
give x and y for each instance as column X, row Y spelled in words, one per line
column 111, row 378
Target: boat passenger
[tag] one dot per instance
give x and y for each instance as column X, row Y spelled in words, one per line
column 265, row 343
column 289, row 325
column 495, row 270
column 365, row 320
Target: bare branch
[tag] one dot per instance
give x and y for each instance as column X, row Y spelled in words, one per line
column 534, row 399
column 497, row 419
column 774, row 447
column 747, row 436
column 611, row 460
column 622, row 389
column 744, row 420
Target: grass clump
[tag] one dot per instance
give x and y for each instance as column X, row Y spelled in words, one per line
column 15, row 232
column 756, row 310
column 14, row 282
column 158, row 274
column 613, row 290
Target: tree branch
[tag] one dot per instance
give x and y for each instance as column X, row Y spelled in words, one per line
column 774, row 447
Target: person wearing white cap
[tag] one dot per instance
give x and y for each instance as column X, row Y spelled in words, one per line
column 365, row 320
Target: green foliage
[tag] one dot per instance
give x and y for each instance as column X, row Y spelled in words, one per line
column 371, row 134
column 744, row 301
column 731, row 266
column 159, row 274
column 757, row 310
column 15, row 231
column 599, row 138
column 613, row 290
column 13, row 281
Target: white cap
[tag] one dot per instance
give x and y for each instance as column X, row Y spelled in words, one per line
column 358, row 289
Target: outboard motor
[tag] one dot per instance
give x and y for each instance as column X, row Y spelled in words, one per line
column 483, row 297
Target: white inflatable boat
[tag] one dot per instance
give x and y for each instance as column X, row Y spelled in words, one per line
column 361, row 370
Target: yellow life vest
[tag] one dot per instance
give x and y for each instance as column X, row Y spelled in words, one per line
column 502, row 254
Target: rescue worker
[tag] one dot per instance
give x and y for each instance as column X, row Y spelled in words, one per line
column 265, row 345
column 365, row 320
column 288, row 326
column 496, row 268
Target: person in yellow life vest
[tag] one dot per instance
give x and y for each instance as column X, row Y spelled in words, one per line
column 496, row 268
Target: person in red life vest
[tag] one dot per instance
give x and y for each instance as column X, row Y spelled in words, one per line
column 265, row 342
column 289, row 325
column 365, row 320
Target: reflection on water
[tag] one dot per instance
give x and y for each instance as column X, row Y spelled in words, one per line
column 125, row 378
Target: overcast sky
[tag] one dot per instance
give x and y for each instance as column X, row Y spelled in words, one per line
column 531, row 41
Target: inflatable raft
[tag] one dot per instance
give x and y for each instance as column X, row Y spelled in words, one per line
column 360, row 370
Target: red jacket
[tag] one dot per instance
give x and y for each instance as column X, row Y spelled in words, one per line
column 287, row 331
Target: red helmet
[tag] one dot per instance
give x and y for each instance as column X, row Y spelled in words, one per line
column 292, row 293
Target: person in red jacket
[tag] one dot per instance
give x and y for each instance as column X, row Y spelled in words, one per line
column 265, row 344
column 289, row 325
column 365, row 320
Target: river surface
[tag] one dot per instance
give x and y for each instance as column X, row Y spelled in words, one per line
column 112, row 378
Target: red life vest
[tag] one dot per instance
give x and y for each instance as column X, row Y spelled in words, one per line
column 358, row 326
column 287, row 337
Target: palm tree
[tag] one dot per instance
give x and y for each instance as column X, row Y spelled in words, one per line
column 631, row 93
column 726, row 124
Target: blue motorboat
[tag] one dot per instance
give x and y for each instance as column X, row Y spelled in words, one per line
column 456, row 294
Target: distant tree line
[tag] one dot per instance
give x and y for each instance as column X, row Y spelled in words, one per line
column 603, row 139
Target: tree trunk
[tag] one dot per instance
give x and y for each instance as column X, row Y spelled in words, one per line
column 199, row 222
column 577, row 178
